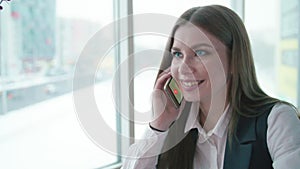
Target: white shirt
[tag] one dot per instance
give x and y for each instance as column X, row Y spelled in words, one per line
column 283, row 140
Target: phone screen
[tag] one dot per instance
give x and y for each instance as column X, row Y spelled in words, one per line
column 174, row 92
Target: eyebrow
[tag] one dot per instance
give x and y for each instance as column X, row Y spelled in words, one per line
column 175, row 48
column 195, row 46
column 202, row 44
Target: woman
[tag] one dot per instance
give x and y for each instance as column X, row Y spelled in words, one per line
column 226, row 120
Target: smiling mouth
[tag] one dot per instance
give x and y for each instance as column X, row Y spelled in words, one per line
column 190, row 84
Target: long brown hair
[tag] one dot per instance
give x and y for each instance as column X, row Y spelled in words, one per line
column 244, row 93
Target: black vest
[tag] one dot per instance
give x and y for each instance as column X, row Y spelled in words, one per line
column 249, row 146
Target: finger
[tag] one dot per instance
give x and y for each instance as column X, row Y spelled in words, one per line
column 166, row 71
column 162, row 80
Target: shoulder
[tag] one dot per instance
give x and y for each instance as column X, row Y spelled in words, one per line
column 283, row 121
column 283, row 135
column 283, row 112
column 283, row 125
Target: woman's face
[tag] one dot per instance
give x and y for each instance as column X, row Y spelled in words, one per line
column 199, row 64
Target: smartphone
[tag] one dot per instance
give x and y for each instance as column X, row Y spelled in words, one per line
column 173, row 91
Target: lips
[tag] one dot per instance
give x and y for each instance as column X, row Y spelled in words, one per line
column 190, row 84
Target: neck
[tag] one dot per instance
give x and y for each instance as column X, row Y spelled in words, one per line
column 211, row 110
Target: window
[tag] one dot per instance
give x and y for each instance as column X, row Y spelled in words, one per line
column 290, row 58
column 40, row 44
column 274, row 37
column 288, row 15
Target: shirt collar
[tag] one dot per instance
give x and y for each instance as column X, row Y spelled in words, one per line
column 218, row 130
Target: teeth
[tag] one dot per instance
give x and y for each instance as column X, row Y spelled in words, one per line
column 189, row 84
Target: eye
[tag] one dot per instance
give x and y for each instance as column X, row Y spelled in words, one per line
column 200, row 52
column 177, row 54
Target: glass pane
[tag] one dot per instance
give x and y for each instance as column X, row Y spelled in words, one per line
column 274, row 36
column 145, row 78
column 40, row 44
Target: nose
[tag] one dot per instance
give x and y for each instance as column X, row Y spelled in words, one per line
column 187, row 65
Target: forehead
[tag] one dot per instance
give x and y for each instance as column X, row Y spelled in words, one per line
column 191, row 35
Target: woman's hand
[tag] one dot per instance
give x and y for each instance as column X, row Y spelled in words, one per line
column 164, row 110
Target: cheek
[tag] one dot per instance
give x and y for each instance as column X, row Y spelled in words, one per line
column 225, row 61
column 224, row 67
column 217, row 74
column 174, row 69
